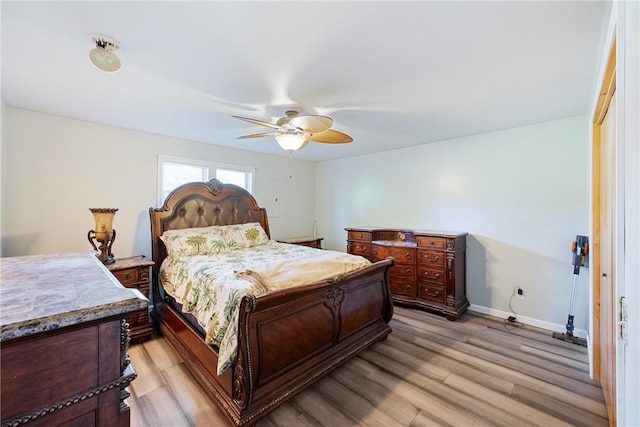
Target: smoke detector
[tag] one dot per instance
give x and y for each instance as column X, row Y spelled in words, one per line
column 103, row 55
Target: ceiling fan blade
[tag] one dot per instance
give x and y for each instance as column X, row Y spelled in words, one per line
column 330, row 136
column 311, row 124
column 306, row 142
column 259, row 135
column 258, row 122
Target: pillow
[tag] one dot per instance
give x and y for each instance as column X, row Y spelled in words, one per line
column 213, row 240
column 243, row 235
column 193, row 241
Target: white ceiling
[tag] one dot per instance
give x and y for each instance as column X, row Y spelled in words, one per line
column 391, row 74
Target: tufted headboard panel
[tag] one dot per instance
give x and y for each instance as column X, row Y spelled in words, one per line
column 202, row 204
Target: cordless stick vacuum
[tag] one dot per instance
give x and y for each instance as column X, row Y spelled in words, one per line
column 579, row 248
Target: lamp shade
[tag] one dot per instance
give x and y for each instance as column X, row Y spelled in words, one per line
column 104, row 221
column 290, row 141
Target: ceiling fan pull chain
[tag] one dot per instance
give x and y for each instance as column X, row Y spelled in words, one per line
column 290, row 162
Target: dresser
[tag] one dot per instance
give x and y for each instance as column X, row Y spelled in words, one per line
column 63, row 342
column 134, row 273
column 430, row 267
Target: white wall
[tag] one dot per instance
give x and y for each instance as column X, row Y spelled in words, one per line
column 629, row 379
column 56, row 168
column 520, row 193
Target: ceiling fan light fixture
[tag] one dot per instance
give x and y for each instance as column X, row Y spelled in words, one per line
column 103, row 55
column 290, row 141
column 293, row 132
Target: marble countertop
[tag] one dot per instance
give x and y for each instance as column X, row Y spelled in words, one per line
column 46, row 292
column 395, row 243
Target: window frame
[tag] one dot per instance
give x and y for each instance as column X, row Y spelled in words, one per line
column 212, row 169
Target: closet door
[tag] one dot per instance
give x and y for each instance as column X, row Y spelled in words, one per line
column 607, row 271
column 604, row 239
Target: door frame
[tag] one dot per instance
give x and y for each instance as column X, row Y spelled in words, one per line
column 608, row 86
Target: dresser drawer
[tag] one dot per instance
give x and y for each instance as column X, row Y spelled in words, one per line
column 401, row 255
column 407, row 272
column 432, row 242
column 359, row 248
column 430, row 259
column 403, row 287
column 134, row 273
column 431, row 274
column 134, row 320
column 431, row 292
column 130, row 275
column 360, row 235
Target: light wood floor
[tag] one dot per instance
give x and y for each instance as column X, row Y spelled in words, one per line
column 429, row 372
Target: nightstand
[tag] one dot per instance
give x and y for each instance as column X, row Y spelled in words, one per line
column 134, row 273
column 312, row 242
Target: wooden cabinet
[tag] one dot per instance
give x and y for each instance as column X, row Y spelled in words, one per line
column 72, row 377
column 312, row 242
column 134, row 273
column 63, row 342
column 430, row 266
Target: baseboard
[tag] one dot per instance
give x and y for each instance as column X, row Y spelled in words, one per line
column 553, row 327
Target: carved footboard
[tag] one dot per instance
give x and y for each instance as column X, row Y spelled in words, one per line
column 291, row 338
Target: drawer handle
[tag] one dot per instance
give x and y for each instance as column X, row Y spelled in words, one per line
column 408, row 287
column 408, row 273
column 363, row 249
column 426, row 273
column 432, row 242
column 431, row 294
column 127, row 276
column 434, row 259
column 408, row 256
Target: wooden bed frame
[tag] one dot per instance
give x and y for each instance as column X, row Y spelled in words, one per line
column 287, row 339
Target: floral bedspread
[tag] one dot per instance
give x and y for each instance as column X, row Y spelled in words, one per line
column 210, row 287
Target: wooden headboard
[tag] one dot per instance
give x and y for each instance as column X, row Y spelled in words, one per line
column 202, row 204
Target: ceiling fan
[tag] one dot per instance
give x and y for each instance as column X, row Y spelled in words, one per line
column 294, row 131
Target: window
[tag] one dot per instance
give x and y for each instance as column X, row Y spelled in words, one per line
column 240, row 177
column 173, row 172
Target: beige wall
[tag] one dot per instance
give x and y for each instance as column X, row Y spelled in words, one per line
column 520, row 193
column 56, row 168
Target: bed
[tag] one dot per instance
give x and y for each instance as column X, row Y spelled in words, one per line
column 286, row 338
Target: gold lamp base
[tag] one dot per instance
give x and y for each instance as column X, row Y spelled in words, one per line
column 105, row 234
column 105, row 254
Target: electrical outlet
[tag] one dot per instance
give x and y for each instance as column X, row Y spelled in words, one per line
column 519, row 292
